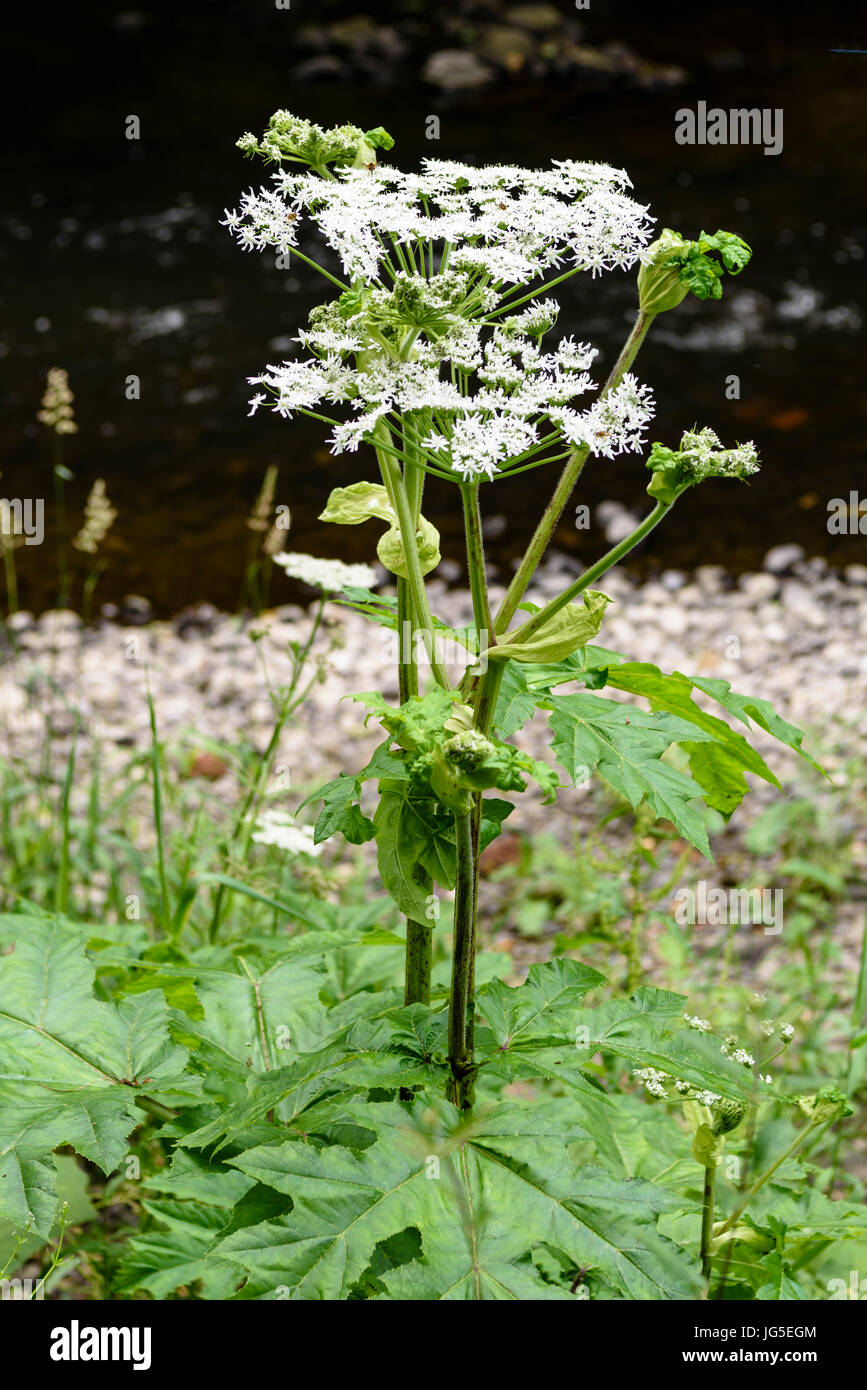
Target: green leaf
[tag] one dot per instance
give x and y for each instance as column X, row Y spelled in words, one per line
column 625, row 745
column 160, row 1261
column 494, row 812
column 781, row 1287
column 516, row 702
column 71, row 1068
column 761, row 712
column 543, row 1005
column 717, row 765
column 359, row 502
column 570, row 627
column 645, row 1031
column 460, row 1189
column 414, row 839
column 341, row 812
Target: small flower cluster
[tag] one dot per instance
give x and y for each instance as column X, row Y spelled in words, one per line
column 700, row 455
column 329, row 575
column 99, row 517
column 56, row 410
column 664, row 1086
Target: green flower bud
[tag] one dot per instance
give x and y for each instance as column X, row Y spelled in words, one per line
column 827, row 1104
column 727, row 1115
column 673, row 267
column 659, row 284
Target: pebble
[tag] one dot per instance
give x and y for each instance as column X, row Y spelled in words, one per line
column 781, row 558
column 456, row 70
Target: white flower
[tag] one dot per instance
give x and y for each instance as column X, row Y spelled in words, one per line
column 706, row 1097
column 768, row 1027
column 701, row 1025
column 329, row 575
column 654, row 1081
column 787, row 1031
column 478, row 445
column 278, row 828
column 768, row 1080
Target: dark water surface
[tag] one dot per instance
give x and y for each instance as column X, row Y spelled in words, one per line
column 114, row 264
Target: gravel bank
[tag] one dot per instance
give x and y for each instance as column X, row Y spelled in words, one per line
column 796, row 637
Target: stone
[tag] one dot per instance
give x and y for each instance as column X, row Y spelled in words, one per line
column 538, row 18
column 56, row 620
column 507, row 47
column 208, row 765
column 710, row 579
column 781, row 558
column 758, row 587
column 135, row 610
column 455, row 70
column 20, row 621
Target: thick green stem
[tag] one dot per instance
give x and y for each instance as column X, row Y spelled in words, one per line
column 395, row 487
column 608, row 561
column 707, row 1221
column 418, row 934
column 563, row 491
column 419, row 944
column 460, row 1000
column 476, row 564
column 407, row 671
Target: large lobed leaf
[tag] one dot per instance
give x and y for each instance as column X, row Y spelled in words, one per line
column 480, row 1196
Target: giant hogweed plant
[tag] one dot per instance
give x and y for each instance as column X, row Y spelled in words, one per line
column 335, row 1132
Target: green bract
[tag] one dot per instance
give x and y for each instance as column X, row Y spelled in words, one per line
column 359, row 502
column 674, row 267
column 570, row 628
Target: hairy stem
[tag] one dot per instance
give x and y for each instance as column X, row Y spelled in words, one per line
column 396, row 489
column 563, row 491
column 418, row 934
column 419, row 944
column 460, row 1090
column 476, row 564
column 707, row 1220
column 608, row 561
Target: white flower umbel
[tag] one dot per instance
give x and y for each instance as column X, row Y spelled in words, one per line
column 490, row 391
column 279, row 829
column 329, row 575
column 506, row 223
